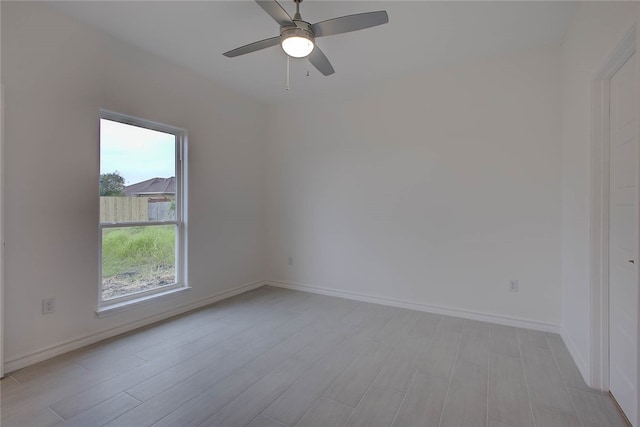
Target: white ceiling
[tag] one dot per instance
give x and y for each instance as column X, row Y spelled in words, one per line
column 420, row 35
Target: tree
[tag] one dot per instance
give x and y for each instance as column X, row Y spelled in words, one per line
column 111, row 184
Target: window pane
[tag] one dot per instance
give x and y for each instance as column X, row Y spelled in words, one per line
column 136, row 259
column 137, row 173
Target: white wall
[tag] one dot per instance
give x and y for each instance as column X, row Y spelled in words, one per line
column 57, row 75
column 437, row 189
column 594, row 32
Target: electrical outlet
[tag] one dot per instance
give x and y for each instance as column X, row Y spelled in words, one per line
column 513, row 286
column 48, row 306
column 290, row 260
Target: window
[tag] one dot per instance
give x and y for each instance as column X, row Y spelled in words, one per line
column 142, row 200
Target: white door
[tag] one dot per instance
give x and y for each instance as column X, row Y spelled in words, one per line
column 623, row 240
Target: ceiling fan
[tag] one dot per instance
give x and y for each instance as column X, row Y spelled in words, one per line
column 297, row 37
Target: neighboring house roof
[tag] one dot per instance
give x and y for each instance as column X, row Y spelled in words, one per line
column 152, row 186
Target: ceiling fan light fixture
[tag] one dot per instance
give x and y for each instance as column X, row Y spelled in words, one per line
column 298, row 47
column 297, row 42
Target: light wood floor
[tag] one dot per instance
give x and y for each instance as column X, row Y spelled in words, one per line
column 274, row 357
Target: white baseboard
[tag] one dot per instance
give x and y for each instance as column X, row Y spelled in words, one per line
column 74, row 344
column 64, row 347
column 581, row 363
column 447, row 311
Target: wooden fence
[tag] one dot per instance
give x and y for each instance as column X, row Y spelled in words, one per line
column 121, row 209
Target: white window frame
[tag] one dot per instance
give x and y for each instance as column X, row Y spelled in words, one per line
column 111, row 306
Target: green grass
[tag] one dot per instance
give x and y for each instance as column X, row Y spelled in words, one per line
column 137, row 250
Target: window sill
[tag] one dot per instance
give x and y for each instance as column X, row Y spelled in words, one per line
column 111, row 309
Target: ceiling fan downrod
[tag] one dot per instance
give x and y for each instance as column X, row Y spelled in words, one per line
column 297, row 16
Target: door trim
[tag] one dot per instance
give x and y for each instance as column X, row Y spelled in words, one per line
column 2, row 244
column 599, row 218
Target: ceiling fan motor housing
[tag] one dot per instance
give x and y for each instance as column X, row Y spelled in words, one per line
column 302, row 29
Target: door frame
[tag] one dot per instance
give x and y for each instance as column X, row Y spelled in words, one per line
column 2, row 244
column 599, row 218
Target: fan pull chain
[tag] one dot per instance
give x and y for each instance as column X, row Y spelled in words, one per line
column 287, row 86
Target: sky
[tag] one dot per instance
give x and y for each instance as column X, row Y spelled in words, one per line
column 136, row 153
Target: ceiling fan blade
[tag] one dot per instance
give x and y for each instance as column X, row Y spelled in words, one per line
column 277, row 12
column 252, row 47
column 320, row 61
column 348, row 23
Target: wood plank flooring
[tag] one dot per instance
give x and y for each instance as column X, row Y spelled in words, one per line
column 275, row 357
